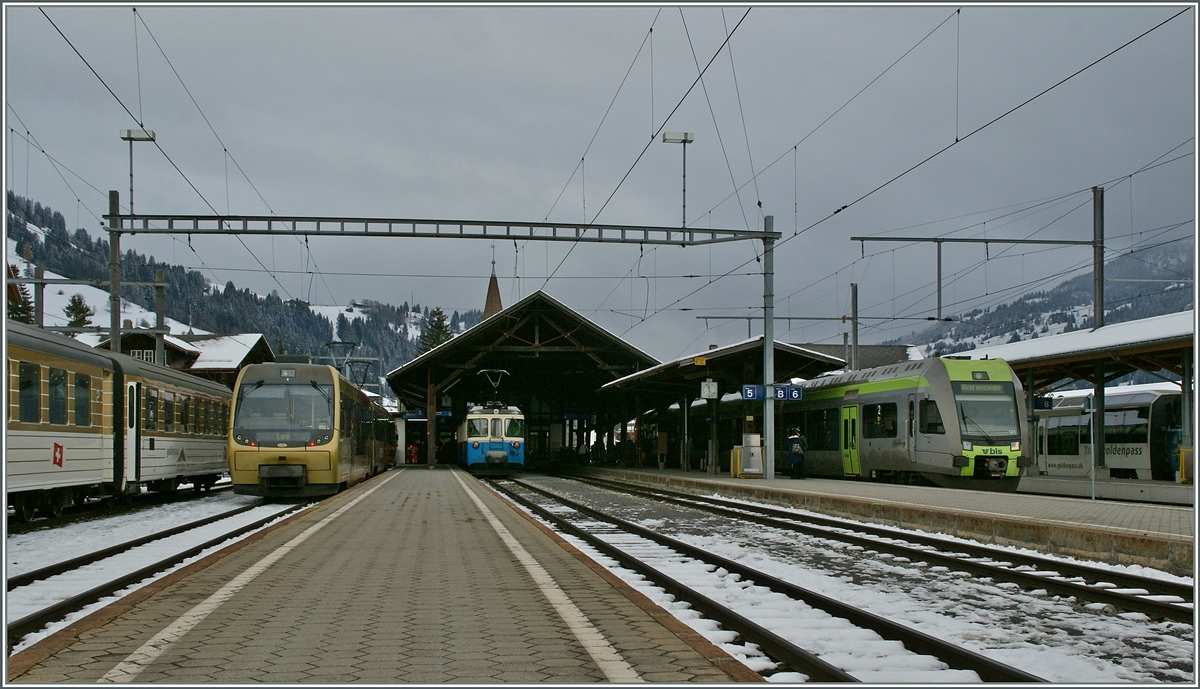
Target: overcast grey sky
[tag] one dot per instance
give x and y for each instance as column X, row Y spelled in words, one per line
column 503, row 114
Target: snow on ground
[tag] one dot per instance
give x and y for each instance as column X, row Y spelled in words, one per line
column 1044, row 635
column 43, row 547
column 1040, row 634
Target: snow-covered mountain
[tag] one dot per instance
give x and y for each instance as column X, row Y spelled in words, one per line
column 1147, row 283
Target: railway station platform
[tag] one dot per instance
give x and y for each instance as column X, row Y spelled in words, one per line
column 415, row 576
column 1150, row 535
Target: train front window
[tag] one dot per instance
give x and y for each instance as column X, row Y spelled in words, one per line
column 515, row 429
column 275, row 413
column 987, row 411
column 497, row 427
column 477, row 428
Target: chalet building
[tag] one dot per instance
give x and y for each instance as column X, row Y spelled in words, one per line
column 215, row 357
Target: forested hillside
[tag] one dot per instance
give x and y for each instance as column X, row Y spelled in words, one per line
column 1146, row 283
column 290, row 326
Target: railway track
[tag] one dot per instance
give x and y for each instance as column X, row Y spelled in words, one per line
column 108, row 507
column 1157, row 598
column 634, row 556
column 38, row 597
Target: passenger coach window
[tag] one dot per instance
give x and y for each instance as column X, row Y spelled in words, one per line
column 879, row 420
column 30, row 396
column 83, row 400
column 150, row 422
column 931, row 418
column 58, row 396
column 168, row 412
column 477, row 428
column 185, row 414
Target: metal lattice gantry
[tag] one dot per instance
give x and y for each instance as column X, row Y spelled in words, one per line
column 311, row 226
column 315, row 226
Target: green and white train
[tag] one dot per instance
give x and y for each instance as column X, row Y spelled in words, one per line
column 953, row 422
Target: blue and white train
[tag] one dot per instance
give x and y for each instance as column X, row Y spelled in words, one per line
column 491, row 440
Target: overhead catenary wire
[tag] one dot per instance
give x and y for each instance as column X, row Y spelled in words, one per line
column 946, row 148
column 651, row 141
column 712, row 113
column 225, row 149
column 156, row 143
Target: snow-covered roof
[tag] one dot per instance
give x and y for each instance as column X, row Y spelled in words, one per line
column 226, row 352
column 736, row 347
column 1131, row 334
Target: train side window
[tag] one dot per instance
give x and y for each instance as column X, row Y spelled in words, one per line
column 168, row 412
column 1062, row 435
column 150, row 420
column 83, row 399
column 931, row 418
column 58, row 396
column 204, row 417
column 821, row 427
column 30, row 396
column 879, row 420
column 185, row 411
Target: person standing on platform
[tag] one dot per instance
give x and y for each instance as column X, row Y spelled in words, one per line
column 797, row 444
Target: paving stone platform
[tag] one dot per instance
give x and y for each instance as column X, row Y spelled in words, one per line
column 411, row 583
column 1151, row 535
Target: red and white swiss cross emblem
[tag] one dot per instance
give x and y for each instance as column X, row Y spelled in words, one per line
column 58, row 455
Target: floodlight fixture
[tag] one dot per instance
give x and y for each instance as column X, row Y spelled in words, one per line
column 684, row 138
column 137, row 135
column 132, row 135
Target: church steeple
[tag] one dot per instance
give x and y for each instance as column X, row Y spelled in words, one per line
column 492, row 305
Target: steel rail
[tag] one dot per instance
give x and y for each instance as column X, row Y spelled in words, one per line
column 774, row 645
column 35, row 621
column 27, row 578
column 1131, row 602
column 953, row 655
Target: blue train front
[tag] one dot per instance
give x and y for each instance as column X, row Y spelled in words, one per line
column 491, row 440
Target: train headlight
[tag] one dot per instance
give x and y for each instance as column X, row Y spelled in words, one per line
column 320, row 438
column 1015, row 446
column 475, row 444
column 516, row 444
column 244, row 439
column 967, row 446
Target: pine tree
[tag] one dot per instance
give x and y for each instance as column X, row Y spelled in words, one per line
column 78, row 313
column 435, row 330
column 21, row 308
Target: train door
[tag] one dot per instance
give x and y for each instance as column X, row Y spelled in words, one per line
column 850, row 465
column 133, row 433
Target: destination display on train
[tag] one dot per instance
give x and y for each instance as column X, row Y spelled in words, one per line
column 985, row 388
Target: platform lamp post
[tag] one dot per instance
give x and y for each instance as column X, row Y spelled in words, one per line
column 114, row 242
column 684, row 138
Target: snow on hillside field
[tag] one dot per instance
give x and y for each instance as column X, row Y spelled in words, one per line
column 55, row 299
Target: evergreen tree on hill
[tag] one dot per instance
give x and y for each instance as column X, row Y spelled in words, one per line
column 20, row 304
column 435, row 331
column 78, row 313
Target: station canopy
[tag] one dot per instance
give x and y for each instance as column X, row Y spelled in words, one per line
column 730, row 366
column 551, row 355
column 1148, row 344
